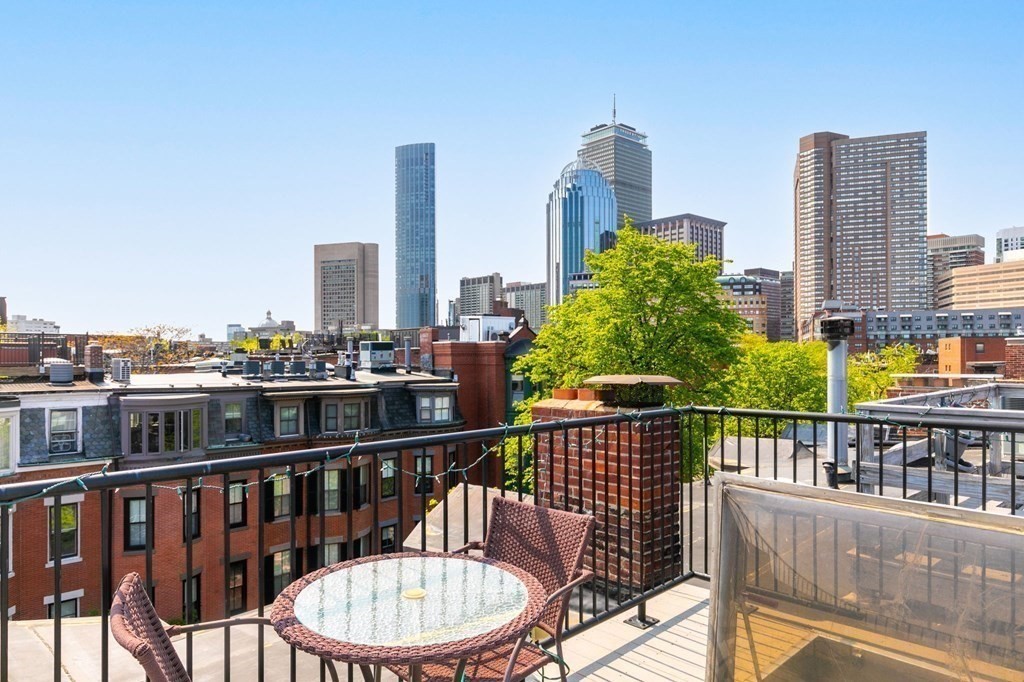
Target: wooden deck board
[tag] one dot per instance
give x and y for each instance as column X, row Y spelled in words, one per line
column 675, row 649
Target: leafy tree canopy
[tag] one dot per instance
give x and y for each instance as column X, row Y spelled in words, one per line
column 656, row 310
column 793, row 376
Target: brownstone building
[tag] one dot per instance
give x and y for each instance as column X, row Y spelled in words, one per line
column 51, row 428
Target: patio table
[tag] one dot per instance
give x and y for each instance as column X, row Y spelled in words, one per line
column 408, row 609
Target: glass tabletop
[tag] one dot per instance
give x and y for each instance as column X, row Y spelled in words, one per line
column 411, row 601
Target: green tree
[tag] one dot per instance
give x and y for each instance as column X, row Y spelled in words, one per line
column 778, row 376
column 656, row 310
column 249, row 345
column 869, row 374
column 518, row 452
column 794, row 376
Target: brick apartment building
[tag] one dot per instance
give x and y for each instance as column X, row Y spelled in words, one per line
column 51, row 429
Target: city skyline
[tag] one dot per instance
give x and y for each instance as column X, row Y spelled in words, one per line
column 196, row 129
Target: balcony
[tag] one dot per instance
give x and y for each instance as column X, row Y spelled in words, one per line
column 642, row 475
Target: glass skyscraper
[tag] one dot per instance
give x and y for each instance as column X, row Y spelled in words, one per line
column 581, row 217
column 415, row 262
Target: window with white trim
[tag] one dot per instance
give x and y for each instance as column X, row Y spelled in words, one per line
column 63, row 434
column 165, row 431
column 434, row 408
column 8, row 441
column 281, row 564
column 331, row 418
column 233, row 425
column 332, row 490
column 332, row 553
column 288, row 420
column 388, row 477
column 68, row 609
column 135, row 523
column 281, row 497
column 339, row 416
column 67, row 539
column 237, row 504
column 353, row 416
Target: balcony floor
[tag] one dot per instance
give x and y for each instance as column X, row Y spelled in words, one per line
column 674, row 649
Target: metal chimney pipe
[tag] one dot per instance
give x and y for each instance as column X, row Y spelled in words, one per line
column 837, row 399
column 836, row 331
column 408, row 356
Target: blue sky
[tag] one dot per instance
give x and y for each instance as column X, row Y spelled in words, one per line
column 176, row 162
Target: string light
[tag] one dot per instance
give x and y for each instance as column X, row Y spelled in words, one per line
column 636, row 417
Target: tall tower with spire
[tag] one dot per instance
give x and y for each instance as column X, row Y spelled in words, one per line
column 620, row 152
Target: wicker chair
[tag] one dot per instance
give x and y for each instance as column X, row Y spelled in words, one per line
column 136, row 627
column 550, row 545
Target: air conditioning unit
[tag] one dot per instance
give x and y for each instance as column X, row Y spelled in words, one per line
column 63, row 442
column 121, row 370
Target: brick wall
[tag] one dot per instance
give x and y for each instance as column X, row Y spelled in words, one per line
column 481, row 395
column 1014, row 368
column 33, row 578
column 627, row 476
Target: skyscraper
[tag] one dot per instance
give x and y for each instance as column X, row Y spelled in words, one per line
column 946, row 253
column 580, row 217
column 415, row 258
column 1009, row 239
column 861, row 213
column 531, row 298
column 622, row 156
column 346, row 280
column 787, row 327
column 477, row 294
column 707, row 234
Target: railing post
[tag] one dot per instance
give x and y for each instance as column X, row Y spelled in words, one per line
column 5, row 552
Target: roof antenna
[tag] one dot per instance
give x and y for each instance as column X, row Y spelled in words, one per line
column 613, row 108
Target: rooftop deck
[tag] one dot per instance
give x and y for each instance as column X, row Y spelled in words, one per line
column 673, row 650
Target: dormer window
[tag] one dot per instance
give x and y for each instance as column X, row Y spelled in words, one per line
column 435, row 408
column 338, row 415
column 163, row 425
column 63, row 431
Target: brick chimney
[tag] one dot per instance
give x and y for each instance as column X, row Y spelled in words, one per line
column 427, row 337
column 94, row 362
column 1014, row 368
column 626, row 475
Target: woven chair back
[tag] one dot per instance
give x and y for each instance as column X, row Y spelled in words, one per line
column 547, row 543
column 136, row 627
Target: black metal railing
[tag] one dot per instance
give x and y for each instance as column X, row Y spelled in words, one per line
column 29, row 350
column 643, row 475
